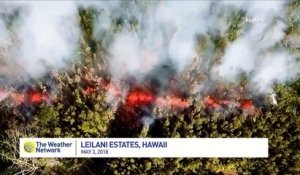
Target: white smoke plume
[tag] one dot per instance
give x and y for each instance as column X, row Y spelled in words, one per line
column 152, row 33
column 169, row 29
column 46, row 34
column 252, row 52
column 161, row 34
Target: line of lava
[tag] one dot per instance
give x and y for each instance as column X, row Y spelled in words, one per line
column 135, row 97
column 32, row 97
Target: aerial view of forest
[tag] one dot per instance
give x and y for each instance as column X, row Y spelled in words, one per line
column 150, row 69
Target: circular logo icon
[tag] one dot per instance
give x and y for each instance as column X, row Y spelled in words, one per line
column 29, row 147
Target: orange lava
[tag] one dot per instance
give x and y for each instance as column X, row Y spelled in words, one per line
column 143, row 96
column 37, row 97
column 34, row 97
column 210, row 102
column 139, row 97
column 216, row 104
column 247, row 104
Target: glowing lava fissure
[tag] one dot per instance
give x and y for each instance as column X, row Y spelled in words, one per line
column 138, row 100
column 139, row 97
column 29, row 96
column 136, row 96
column 217, row 104
column 143, row 96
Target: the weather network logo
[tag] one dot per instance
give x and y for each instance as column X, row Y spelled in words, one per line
column 29, row 147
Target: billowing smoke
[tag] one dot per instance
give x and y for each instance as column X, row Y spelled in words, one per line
column 36, row 36
column 252, row 53
column 164, row 31
column 169, row 31
column 142, row 37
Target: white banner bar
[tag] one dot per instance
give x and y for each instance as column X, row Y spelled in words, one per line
column 144, row 147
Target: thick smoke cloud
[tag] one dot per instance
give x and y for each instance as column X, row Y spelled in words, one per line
column 252, row 52
column 45, row 34
column 169, row 30
column 152, row 33
column 166, row 30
